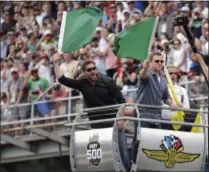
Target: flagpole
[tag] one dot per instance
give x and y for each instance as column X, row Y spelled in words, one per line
column 179, row 114
column 62, row 30
column 153, row 35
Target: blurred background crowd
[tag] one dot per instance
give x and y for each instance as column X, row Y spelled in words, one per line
column 30, row 33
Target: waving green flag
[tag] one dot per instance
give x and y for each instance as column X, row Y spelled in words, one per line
column 134, row 41
column 77, row 28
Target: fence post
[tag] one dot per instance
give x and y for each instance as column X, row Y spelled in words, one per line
column 32, row 114
column 69, row 105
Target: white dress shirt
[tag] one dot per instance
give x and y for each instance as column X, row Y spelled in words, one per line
column 182, row 97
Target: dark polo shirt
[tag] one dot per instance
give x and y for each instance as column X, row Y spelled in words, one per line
column 103, row 93
column 152, row 92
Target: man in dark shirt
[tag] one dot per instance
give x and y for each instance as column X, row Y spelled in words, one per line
column 9, row 23
column 98, row 90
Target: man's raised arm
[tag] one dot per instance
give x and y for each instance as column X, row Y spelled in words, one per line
column 56, row 58
column 143, row 72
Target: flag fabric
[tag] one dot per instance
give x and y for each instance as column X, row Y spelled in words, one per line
column 197, row 121
column 135, row 40
column 77, row 28
column 201, row 118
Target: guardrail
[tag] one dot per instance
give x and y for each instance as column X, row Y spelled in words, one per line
column 32, row 119
column 68, row 115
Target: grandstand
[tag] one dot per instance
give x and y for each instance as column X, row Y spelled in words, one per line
column 37, row 118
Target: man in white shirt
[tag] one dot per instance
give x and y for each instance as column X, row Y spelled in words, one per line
column 39, row 15
column 69, row 67
column 180, row 91
column 45, row 70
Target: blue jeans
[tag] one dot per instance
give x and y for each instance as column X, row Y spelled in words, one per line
column 122, row 140
column 206, row 168
column 150, row 125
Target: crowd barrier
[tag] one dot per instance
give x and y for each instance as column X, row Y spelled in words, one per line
column 64, row 112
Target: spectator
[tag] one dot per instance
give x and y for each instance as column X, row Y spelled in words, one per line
column 45, row 70
column 179, row 57
column 61, row 6
column 4, row 105
column 36, row 86
column 14, row 85
column 198, row 87
column 23, row 72
column 47, row 9
column 195, row 22
column 133, row 10
column 180, row 91
column 120, row 9
column 186, row 11
column 26, row 18
column 20, row 49
column 10, row 38
column 14, row 89
column 99, row 61
column 5, row 76
column 39, row 15
column 9, row 23
column 60, row 106
column 32, row 41
column 8, row 114
column 127, row 79
column 47, row 42
column 150, row 9
column 69, row 67
column 165, row 20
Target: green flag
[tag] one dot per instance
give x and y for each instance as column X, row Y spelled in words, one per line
column 77, row 28
column 134, row 41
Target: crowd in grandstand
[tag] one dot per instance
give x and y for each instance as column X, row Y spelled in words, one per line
column 29, row 38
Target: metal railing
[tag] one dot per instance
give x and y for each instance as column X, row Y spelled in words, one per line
column 67, row 113
column 32, row 119
column 69, row 102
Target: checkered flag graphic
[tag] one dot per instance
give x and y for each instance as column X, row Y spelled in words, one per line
column 174, row 140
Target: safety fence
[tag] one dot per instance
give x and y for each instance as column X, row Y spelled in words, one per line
column 52, row 114
column 58, row 115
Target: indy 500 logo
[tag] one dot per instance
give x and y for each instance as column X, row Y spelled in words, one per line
column 94, row 152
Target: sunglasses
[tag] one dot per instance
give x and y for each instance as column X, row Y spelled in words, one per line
column 159, row 61
column 91, row 69
column 172, row 73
